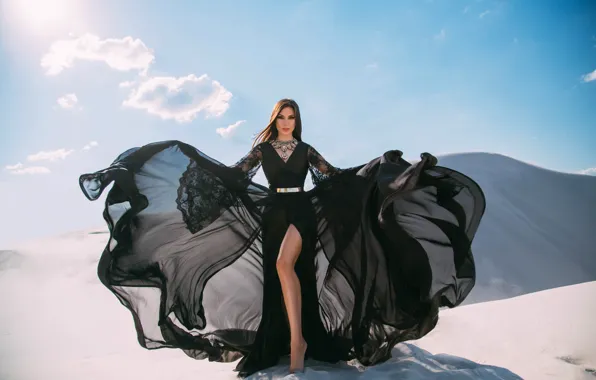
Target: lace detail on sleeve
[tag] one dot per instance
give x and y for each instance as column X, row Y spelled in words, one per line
column 250, row 163
column 202, row 197
column 320, row 169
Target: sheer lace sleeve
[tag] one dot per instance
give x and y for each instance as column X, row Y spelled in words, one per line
column 251, row 163
column 320, row 168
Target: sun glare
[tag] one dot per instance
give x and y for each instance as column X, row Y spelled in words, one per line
column 41, row 15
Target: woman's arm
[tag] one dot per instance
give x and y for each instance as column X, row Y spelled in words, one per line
column 251, row 162
column 320, row 168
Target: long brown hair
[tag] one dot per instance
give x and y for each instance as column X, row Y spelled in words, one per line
column 270, row 131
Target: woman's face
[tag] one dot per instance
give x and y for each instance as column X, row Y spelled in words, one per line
column 285, row 123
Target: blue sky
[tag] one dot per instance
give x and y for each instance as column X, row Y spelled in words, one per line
column 83, row 81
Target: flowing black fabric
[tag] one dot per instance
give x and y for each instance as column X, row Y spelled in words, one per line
column 193, row 248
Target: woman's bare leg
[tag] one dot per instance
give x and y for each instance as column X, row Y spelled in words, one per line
column 290, row 286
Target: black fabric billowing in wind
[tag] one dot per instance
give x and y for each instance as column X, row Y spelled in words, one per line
column 193, row 246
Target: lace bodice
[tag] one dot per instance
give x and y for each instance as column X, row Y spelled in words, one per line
column 291, row 172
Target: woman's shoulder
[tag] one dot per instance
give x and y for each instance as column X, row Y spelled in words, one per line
column 309, row 148
column 306, row 145
column 261, row 144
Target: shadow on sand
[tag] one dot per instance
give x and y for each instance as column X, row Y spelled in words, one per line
column 408, row 362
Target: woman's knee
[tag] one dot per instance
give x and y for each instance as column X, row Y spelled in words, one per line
column 289, row 250
column 284, row 264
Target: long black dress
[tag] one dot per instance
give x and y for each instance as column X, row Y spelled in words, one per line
column 193, row 247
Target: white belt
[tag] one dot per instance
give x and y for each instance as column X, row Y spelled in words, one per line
column 288, row 189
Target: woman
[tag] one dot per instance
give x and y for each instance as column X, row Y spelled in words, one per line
column 223, row 268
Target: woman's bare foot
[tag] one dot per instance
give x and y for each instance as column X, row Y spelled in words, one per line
column 297, row 352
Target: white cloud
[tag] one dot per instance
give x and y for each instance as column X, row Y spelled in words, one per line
column 181, row 99
column 20, row 169
column 92, row 144
column 121, row 54
column 229, row 130
column 440, row 36
column 372, row 66
column 67, row 101
column 589, row 171
column 14, row 167
column 126, row 84
column 59, row 154
column 589, row 77
column 484, row 14
column 32, row 170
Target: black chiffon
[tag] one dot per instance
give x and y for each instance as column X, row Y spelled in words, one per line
column 193, row 247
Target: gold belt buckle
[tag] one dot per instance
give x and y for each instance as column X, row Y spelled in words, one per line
column 288, row 189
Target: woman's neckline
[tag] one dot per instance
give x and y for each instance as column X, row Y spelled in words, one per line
column 290, row 140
